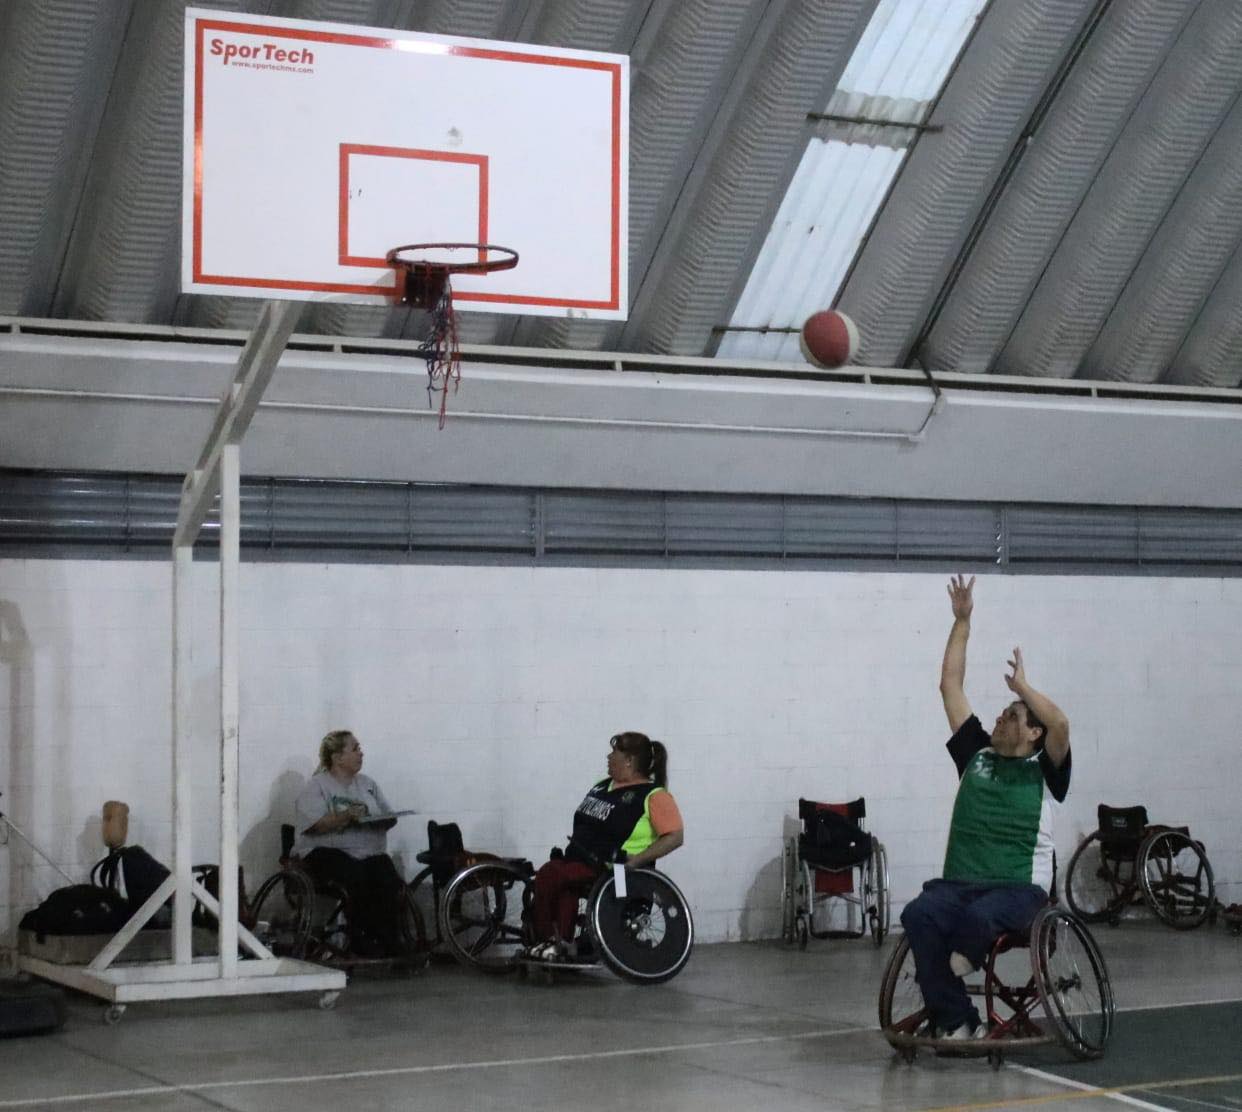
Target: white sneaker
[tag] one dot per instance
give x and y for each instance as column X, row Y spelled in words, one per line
column 965, row 1032
column 961, row 965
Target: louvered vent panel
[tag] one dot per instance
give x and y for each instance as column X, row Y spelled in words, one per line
column 63, row 513
column 332, row 514
column 840, row 528
column 724, row 526
column 472, row 519
column 947, row 530
column 1188, row 536
column 603, row 523
column 1089, row 535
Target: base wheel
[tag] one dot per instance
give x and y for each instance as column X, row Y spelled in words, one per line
column 327, row 1000
column 112, row 1014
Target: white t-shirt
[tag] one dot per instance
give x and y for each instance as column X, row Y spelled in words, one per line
column 323, row 795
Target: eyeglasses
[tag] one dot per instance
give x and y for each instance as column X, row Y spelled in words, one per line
column 614, row 741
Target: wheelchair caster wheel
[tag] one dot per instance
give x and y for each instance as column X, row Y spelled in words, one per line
column 327, row 1000
column 112, row 1014
column 908, row 1054
column 995, row 1059
column 803, row 932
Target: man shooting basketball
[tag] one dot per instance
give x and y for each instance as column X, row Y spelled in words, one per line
column 998, row 862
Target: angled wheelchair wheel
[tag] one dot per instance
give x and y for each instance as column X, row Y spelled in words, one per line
column 1176, row 879
column 281, row 913
column 645, row 936
column 1094, row 887
column 481, row 915
column 902, row 1011
column 412, row 929
column 875, row 889
column 789, row 909
column 1072, row 981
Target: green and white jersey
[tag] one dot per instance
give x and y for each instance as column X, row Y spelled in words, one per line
column 1001, row 832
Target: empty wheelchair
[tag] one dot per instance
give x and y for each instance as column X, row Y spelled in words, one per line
column 1126, row 861
column 1055, row 967
column 644, row 935
column 297, row 916
column 834, row 863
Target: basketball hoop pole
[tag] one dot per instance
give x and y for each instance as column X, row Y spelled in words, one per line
column 217, row 470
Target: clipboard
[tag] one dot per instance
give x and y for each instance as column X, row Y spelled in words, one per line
column 370, row 820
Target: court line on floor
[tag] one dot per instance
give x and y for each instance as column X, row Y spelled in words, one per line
column 1089, row 1091
column 408, row 1071
column 1123, row 1098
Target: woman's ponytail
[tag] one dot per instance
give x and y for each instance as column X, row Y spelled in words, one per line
column 659, row 764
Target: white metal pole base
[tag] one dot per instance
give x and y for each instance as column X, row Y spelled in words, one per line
column 185, row 977
column 128, row 983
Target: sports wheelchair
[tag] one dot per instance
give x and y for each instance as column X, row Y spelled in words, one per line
column 644, row 936
column 1126, row 861
column 1065, row 976
column 833, row 858
column 297, row 916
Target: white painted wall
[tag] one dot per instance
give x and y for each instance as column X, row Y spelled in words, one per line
column 487, row 696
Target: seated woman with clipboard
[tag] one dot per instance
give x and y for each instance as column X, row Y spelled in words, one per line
column 342, row 821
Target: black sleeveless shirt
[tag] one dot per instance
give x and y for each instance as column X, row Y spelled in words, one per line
column 605, row 819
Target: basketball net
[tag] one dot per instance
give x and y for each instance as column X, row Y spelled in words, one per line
column 441, row 350
column 424, row 283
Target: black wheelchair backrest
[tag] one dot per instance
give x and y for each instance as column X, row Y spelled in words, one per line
column 444, row 838
column 286, row 839
column 809, row 809
column 1122, row 826
column 831, row 834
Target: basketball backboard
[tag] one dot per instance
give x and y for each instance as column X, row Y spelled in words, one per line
column 311, row 149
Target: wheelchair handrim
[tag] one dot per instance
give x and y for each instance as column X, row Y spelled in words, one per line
column 493, row 882
column 644, row 944
column 1077, row 960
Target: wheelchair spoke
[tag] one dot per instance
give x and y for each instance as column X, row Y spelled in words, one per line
column 1072, row 981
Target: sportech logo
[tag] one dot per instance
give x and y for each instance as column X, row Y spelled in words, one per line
column 263, row 55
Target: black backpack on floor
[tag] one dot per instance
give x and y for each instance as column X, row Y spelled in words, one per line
column 77, row 909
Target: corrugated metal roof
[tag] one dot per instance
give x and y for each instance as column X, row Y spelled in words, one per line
column 893, row 76
column 757, row 184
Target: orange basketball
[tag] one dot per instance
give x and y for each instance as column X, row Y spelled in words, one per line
column 829, row 338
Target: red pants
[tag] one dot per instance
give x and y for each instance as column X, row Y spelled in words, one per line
column 558, row 884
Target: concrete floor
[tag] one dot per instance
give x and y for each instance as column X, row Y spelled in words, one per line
column 743, row 1027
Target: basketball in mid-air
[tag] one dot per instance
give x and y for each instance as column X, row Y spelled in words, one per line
column 829, row 338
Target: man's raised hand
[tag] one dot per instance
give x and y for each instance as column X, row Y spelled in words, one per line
column 961, row 596
column 1016, row 682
